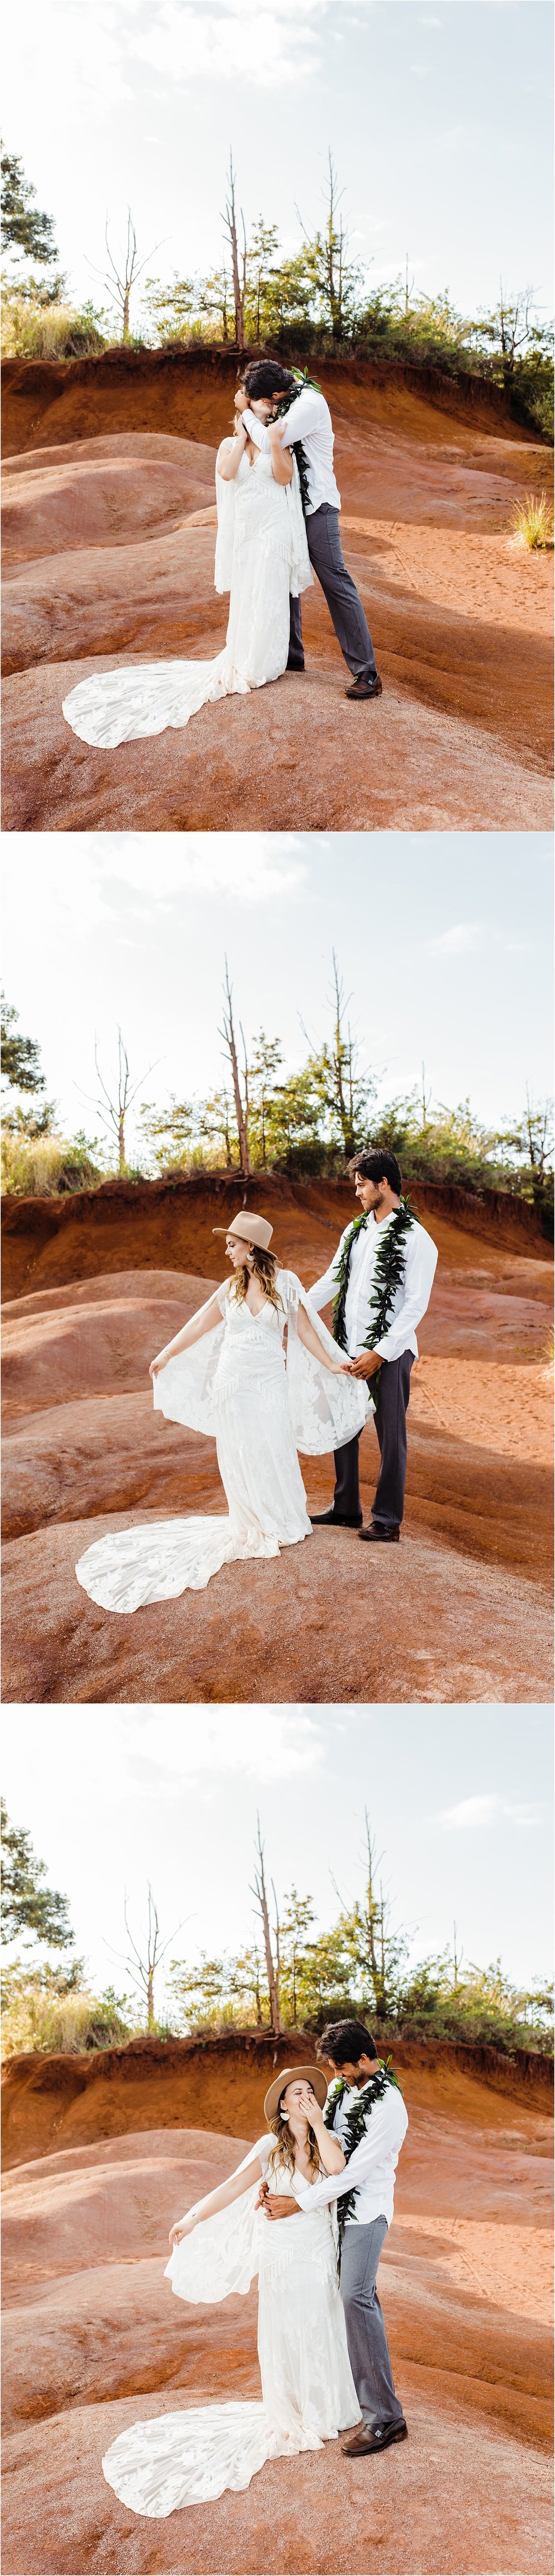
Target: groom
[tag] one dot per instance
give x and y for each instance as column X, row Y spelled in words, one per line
column 310, row 421
column 367, row 2113
column 380, row 1283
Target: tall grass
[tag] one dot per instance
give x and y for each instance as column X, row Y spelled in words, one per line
column 44, row 1166
column 48, row 331
column 37, row 2015
column 533, row 522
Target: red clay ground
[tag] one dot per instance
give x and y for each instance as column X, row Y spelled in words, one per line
column 109, row 537
column 94, row 2340
column 459, row 1613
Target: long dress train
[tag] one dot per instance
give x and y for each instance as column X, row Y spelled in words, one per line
column 235, row 1383
column 261, row 557
column 308, row 2392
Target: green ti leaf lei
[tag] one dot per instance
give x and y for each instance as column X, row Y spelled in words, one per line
column 389, row 1273
column 354, row 2130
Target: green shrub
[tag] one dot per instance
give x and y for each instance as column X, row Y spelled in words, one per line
column 41, row 2009
column 36, row 330
column 44, row 1166
column 533, row 522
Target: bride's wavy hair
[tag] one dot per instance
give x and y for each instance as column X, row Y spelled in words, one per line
column 284, row 2151
column 263, row 1267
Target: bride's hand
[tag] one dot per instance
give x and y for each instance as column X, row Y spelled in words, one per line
column 185, row 2229
column 309, row 2105
column 155, row 1365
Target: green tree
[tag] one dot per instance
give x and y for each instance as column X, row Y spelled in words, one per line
column 168, row 1132
column 266, row 1056
column 294, row 1927
column 20, row 1057
column 335, row 280
column 343, row 1092
column 23, row 226
column 27, row 1905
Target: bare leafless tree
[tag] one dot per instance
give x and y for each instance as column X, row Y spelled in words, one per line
column 142, row 1969
column 241, row 1105
column 131, row 272
column 238, row 260
column 114, row 1115
column 272, row 1970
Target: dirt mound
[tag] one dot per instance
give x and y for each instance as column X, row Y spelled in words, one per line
column 94, row 2340
column 111, row 556
column 97, row 491
column 67, row 2101
column 149, row 1226
column 192, row 395
column 84, row 1452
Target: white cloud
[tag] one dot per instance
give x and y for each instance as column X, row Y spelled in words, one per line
column 459, row 941
column 481, row 1810
column 260, row 41
column 226, row 1740
column 69, row 900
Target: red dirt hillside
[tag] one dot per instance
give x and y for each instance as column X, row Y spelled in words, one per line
column 94, row 2340
column 103, row 1278
column 109, row 539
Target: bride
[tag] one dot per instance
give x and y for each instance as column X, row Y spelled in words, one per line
column 308, row 2392
column 226, row 1374
column 261, row 557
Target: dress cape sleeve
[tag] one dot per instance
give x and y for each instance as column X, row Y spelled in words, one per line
column 183, row 1389
column 325, row 1411
column 225, row 505
column 220, row 2259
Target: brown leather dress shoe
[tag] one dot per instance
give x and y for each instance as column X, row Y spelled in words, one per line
column 373, row 2437
column 333, row 1520
column 375, row 1532
column 365, row 688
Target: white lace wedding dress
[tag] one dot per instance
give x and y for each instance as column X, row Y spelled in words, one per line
column 235, row 1384
column 308, row 2393
column 261, row 556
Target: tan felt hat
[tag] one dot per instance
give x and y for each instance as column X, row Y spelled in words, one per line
column 252, row 1229
column 295, row 2075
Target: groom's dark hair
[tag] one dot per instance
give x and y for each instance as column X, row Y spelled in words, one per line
column 377, row 1164
column 265, row 377
column 345, row 2042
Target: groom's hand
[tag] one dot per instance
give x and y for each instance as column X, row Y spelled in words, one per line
column 367, row 1364
column 281, row 2205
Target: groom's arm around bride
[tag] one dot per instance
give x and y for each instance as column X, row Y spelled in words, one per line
column 309, row 422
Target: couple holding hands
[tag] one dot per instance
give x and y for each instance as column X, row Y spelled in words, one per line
column 257, row 1370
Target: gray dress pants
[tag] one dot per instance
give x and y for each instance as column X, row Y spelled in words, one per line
column 392, row 1404
column 345, row 607
column 366, row 2335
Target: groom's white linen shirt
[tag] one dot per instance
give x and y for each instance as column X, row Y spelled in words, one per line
column 309, row 420
column 371, row 2168
column 410, row 1300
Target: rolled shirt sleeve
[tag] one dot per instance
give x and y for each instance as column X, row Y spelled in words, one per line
column 386, row 2129
column 420, row 1267
column 305, row 415
column 256, row 428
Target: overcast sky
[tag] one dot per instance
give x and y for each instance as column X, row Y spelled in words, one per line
column 443, row 940
column 438, row 114
column 460, row 1803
